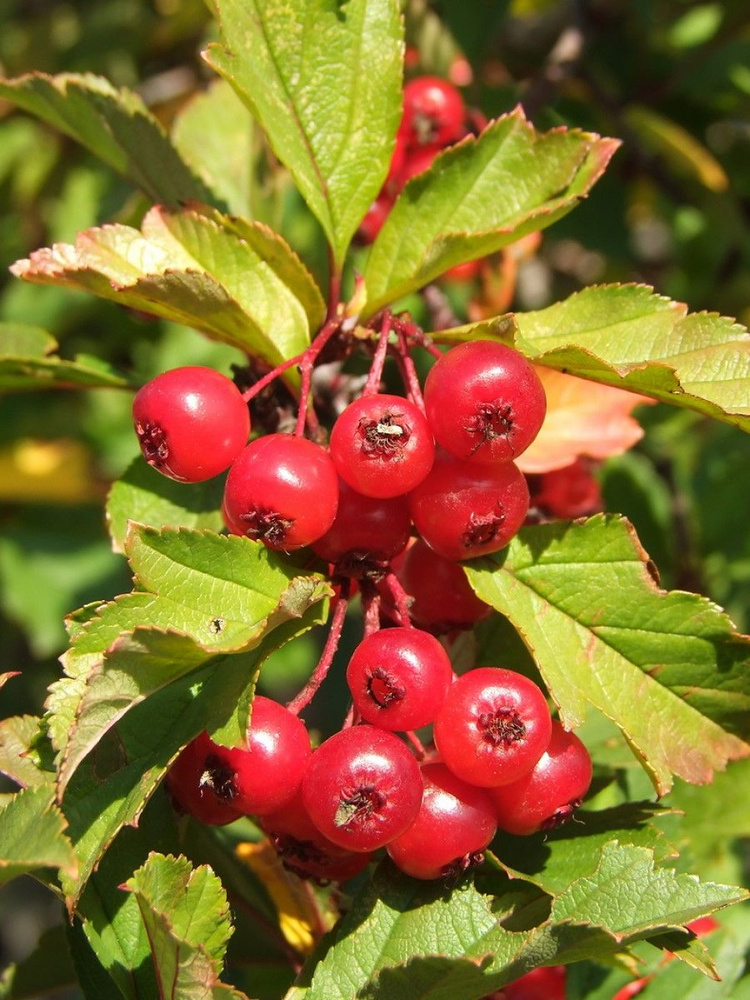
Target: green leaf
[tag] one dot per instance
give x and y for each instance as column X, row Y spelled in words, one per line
column 479, row 196
column 47, row 971
column 20, row 758
column 627, row 336
column 583, row 599
column 186, row 914
column 323, row 80
column 194, row 266
column 215, row 133
column 32, row 835
column 631, row 897
column 27, row 364
column 115, row 125
column 554, row 860
column 142, row 494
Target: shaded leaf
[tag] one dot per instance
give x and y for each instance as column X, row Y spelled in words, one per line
column 478, row 197
column 191, row 266
column 582, row 598
column 186, row 914
column 115, row 125
column 19, row 759
column 142, row 494
column 32, row 835
column 47, row 971
column 681, row 151
column 324, row 82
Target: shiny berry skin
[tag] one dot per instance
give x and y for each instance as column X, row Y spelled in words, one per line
column 282, row 490
column 381, row 446
column 454, row 825
column 303, row 848
column 191, row 423
column 366, row 533
column 195, row 782
column 549, row 794
column 544, row 983
column 494, row 726
column 485, row 403
column 362, row 788
column 442, row 596
column 463, row 510
column 434, row 112
column 399, row 678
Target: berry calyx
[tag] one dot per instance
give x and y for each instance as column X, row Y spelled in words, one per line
column 454, row 825
column 269, row 489
column 191, row 423
column 362, row 788
column 382, row 446
column 463, row 510
column 548, row 795
column 201, row 785
column 399, row 678
column 493, row 727
column 485, row 402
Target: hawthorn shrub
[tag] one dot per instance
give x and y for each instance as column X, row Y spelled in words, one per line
column 482, row 817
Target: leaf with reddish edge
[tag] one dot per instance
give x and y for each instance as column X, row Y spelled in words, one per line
column 236, row 282
column 584, row 601
column 477, row 197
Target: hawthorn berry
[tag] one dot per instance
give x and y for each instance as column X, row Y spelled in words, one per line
column 367, row 532
column 493, row 727
column 463, row 510
column 568, row 492
column 484, row 401
column 281, row 490
column 434, row 112
column 362, row 788
column 442, row 598
column 197, row 784
column 191, row 423
column 382, row 446
column 399, row 677
column 454, row 824
column 550, row 792
column 545, row 983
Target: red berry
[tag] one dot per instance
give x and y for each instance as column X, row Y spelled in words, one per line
column 484, row 402
column 381, row 445
column 303, row 848
column 463, row 510
column 196, row 783
column 417, row 162
column 191, row 423
column 569, row 492
column 544, row 983
column 493, row 727
column 547, row 795
column 399, row 678
column 270, row 488
column 365, row 533
column 362, row 788
column 454, row 825
column 434, row 112
column 442, row 596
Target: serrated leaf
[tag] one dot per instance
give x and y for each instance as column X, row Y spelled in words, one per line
column 144, row 495
column 19, row 758
column 215, row 133
column 186, row 914
column 478, row 197
column 115, row 125
column 627, row 336
column 32, row 835
column 192, row 266
column 27, row 362
column 554, row 860
column 630, row 897
column 324, row 82
column 583, row 600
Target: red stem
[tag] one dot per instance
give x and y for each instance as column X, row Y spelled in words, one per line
column 371, row 603
column 409, row 372
column 372, row 385
column 306, row 368
column 418, row 745
column 253, row 391
column 306, row 695
column 400, row 598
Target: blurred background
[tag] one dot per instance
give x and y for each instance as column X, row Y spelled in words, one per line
column 669, row 78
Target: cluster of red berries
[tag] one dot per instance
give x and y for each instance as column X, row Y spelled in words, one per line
column 434, row 117
column 441, row 463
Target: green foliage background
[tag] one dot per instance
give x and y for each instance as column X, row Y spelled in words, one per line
column 672, row 79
